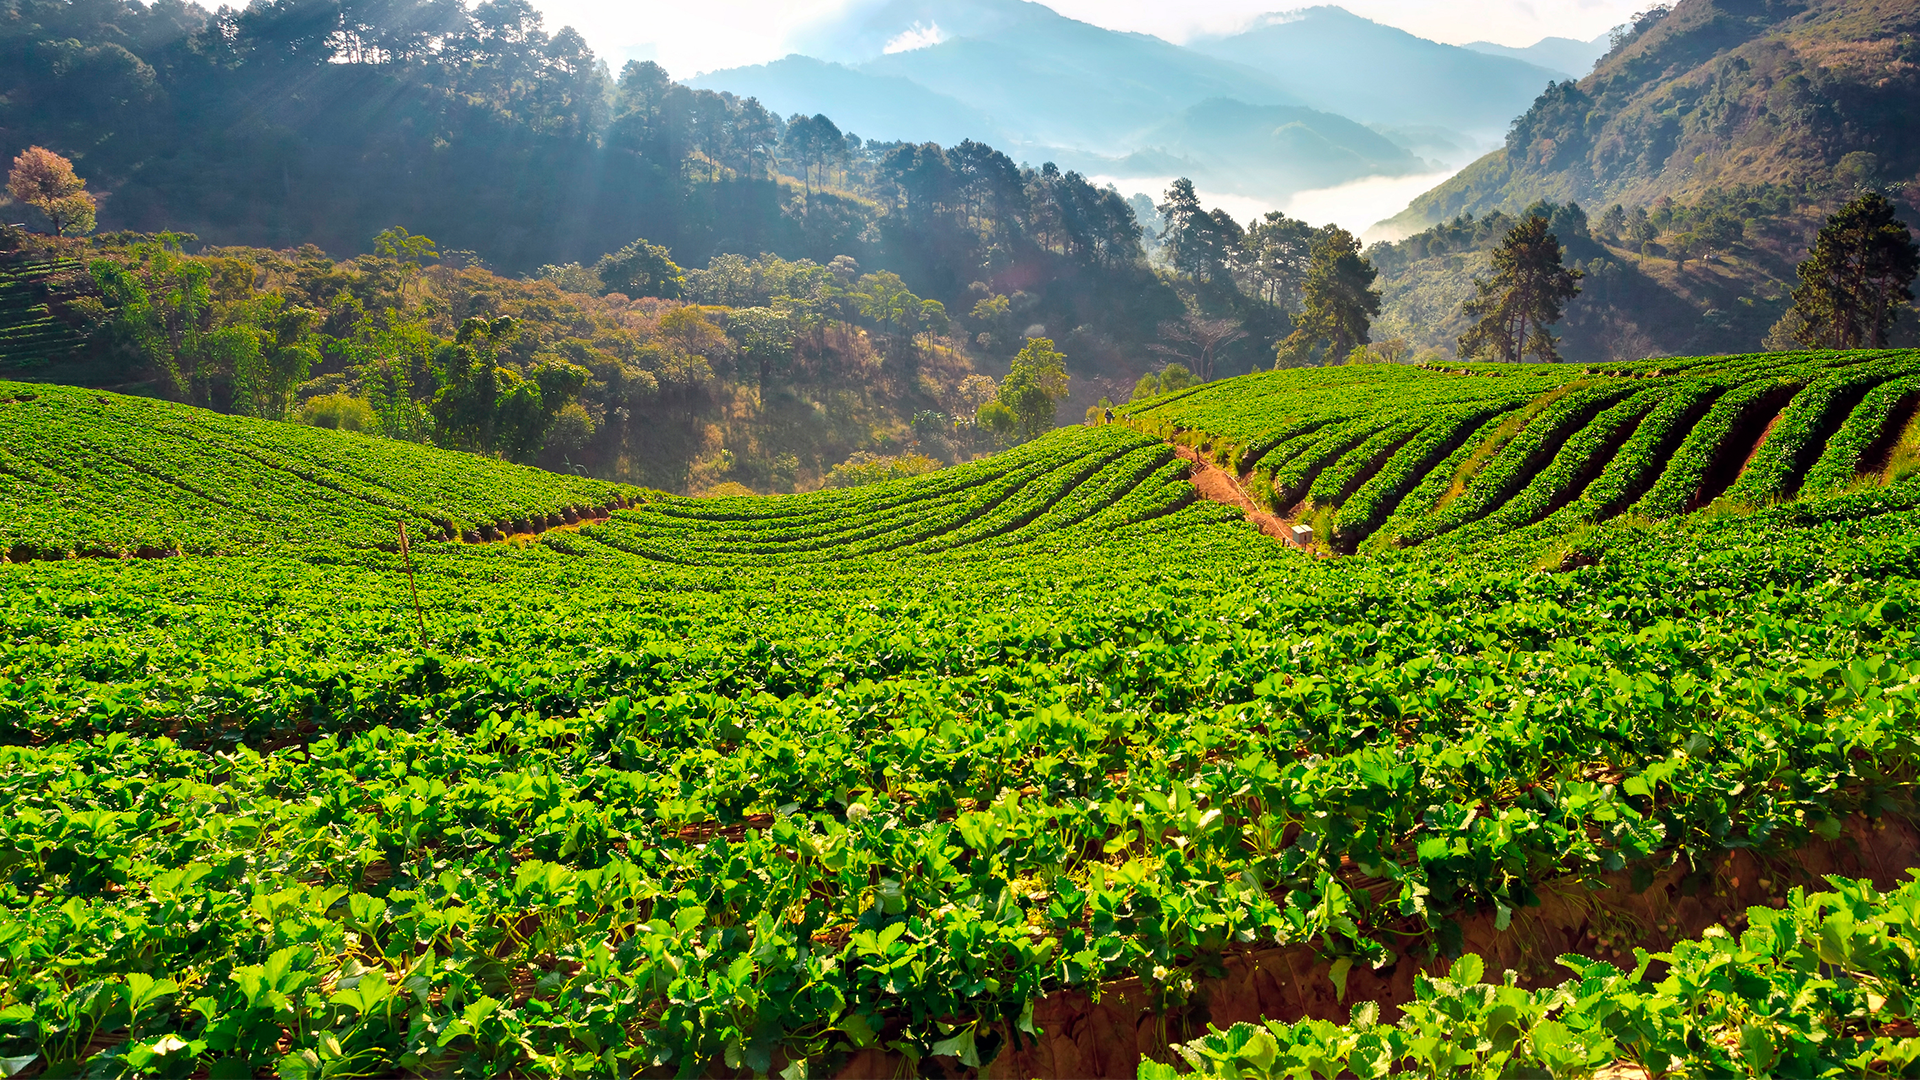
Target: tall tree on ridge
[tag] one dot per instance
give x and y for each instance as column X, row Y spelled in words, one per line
column 1857, row 277
column 1528, row 293
column 1338, row 302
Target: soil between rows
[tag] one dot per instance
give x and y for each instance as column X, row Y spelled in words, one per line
column 1215, row 484
column 1108, row 1037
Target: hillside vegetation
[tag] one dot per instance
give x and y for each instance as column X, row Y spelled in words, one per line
column 1813, row 95
column 1687, row 176
column 891, row 779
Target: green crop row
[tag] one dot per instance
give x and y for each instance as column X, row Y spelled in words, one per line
column 1681, row 486
column 1362, row 513
column 1341, row 479
column 1865, row 427
column 1530, row 448
column 1580, row 459
column 1644, row 455
column 1323, row 435
column 1051, row 484
column 1721, row 1005
column 103, row 474
column 1803, row 428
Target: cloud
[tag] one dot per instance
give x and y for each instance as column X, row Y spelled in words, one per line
column 917, row 36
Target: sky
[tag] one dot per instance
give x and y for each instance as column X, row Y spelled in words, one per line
column 690, row 38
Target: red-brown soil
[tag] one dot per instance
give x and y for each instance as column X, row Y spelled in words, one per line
column 1214, row 483
column 1082, row 1037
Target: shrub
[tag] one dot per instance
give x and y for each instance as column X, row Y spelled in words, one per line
column 867, row 468
column 341, row 412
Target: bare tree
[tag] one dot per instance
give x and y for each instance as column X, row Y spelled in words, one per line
column 1197, row 339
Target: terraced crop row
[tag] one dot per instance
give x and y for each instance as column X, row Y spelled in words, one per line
column 1112, row 478
column 85, row 473
column 1392, row 452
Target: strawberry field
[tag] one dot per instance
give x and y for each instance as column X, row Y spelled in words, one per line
column 874, row 780
column 93, row 474
column 1394, row 457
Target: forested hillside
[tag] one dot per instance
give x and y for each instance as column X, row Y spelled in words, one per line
column 1813, row 96
column 324, row 123
column 1691, row 276
column 1686, row 176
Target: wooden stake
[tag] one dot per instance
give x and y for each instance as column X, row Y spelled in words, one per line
column 406, row 558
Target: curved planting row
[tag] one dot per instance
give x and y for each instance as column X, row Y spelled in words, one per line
column 1879, row 420
column 1053, row 484
column 1582, row 458
column 88, row 473
column 1515, row 464
column 1403, row 456
column 1446, row 435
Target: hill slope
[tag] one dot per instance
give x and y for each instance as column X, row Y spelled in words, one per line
column 1715, row 94
column 89, row 473
column 1399, row 456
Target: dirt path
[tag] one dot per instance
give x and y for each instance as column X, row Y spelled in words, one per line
column 1214, row 483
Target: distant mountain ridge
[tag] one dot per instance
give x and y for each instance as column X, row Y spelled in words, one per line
column 1024, row 77
column 1404, row 79
column 1569, row 58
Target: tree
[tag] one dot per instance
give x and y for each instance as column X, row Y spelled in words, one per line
column 1199, row 339
column 765, row 335
column 814, row 143
column 641, row 269
column 1338, row 302
column 1279, row 250
column 266, row 373
column 1198, row 244
column 885, row 300
column 484, row 406
column 1857, row 277
column 1613, row 221
column 46, row 181
column 1035, row 386
column 1528, row 293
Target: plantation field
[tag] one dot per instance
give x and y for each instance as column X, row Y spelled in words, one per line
column 1398, row 456
column 87, row 473
column 883, row 780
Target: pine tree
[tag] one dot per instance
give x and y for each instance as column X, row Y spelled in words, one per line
column 1528, row 293
column 1338, row 302
column 1857, row 277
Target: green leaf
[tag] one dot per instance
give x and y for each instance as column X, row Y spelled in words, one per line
column 1338, row 973
column 1467, row 970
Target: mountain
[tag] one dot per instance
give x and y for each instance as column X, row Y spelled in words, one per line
column 1565, row 56
column 1334, row 60
column 1726, row 130
column 1278, row 147
column 884, row 107
column 1811, row 97
column 1052, row 80
column 1316, row 99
